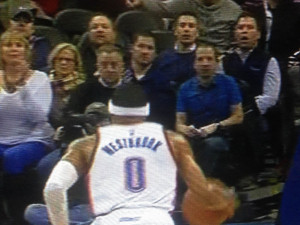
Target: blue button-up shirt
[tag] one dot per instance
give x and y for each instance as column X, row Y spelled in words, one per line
column 206, row 105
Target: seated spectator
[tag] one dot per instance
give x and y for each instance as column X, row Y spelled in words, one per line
column 100, row 31
column 25, row 134
column 22, row 21
column 207, row 106
column 172, row 68
column 109, row 73
column 259, row 78
column 259, row 8
column 218, row 16
column 8, row 8
column 95, row 115
column 141, row 68
column 65, row 75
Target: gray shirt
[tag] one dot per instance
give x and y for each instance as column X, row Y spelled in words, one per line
column 24, row 113
column 218, row 19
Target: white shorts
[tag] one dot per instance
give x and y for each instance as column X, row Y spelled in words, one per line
column 142, row 216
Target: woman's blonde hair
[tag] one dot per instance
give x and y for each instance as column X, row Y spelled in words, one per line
column 62, row 46
column 11, row 37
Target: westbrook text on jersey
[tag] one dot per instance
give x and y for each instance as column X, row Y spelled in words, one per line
column 138, row 142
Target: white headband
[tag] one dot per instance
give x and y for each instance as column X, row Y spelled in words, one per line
column 130, row 111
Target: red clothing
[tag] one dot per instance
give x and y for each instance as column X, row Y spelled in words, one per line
column 49, row 7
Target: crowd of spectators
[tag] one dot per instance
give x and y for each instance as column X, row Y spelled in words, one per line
column 227, row 83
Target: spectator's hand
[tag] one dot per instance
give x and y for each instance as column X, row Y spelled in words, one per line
column 209, row 129
column 133, row 4
column 189, row 131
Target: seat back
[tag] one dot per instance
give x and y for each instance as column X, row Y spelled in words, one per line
column 52, row 34
column 73, row 22
column 134, row 21
column 164, row 39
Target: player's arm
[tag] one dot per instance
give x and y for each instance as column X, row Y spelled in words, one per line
column 192, row 174
column 63, row 176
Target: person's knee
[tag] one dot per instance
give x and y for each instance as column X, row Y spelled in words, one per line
column 217, row 144
column 18, row 158
column 12, row 163
column 36, row 214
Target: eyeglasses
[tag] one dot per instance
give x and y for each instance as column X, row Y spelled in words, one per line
column 60, row 59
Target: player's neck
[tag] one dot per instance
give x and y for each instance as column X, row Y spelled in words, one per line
column 126, row 119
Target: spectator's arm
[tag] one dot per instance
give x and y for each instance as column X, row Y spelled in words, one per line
column 236, row 116
column 271, row 87
column 38, row 99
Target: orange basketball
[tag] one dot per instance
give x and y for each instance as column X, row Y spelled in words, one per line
column 196, row 212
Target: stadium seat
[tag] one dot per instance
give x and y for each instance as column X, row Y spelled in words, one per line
column 43, row 21
column 73, row 22
column 164, row 39
column 134, row 21
column 52, row 34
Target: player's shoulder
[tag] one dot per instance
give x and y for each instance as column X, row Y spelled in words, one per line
column 83, row 142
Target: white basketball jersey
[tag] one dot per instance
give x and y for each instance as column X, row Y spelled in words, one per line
column 132, row 168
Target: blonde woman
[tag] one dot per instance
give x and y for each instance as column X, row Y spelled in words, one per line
column 65, row 75
column 25, row 134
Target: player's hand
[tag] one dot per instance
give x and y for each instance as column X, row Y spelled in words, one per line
column 133, row 4
column 226, row 192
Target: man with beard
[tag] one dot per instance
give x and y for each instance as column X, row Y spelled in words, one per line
column 259, row 77
column 141, row 70
column 143, row 52
column 207, row 106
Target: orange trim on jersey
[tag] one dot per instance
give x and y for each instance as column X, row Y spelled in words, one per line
column 170, row 148
column 98, row 135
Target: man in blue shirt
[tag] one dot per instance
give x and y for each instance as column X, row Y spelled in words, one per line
column 207, row 104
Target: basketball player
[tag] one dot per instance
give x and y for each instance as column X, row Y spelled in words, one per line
column 131, row 168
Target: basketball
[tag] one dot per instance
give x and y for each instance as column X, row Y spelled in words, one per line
column 199, row 211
